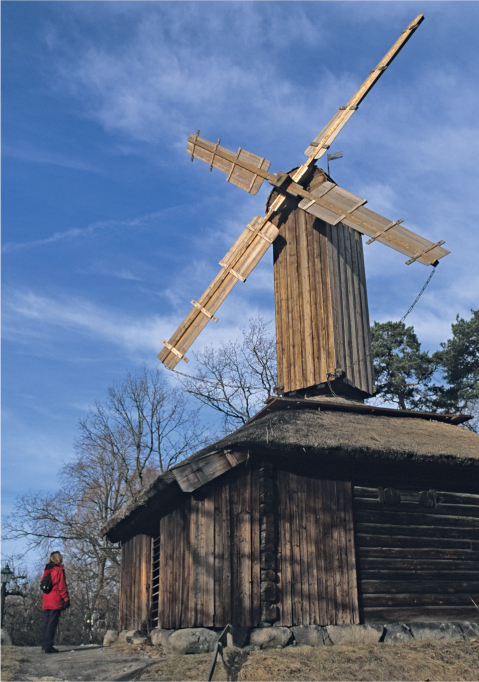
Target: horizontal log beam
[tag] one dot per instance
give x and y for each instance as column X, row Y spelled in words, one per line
column 422, row 586
column 408, row 614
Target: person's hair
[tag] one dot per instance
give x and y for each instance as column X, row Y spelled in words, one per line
column 55, row 558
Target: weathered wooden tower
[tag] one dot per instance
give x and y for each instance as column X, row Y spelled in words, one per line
column 322, row 320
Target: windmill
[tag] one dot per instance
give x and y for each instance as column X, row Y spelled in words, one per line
column 315, row 227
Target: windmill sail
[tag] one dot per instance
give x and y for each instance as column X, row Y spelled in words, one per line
column 325, row 138
column 238, row 263
column 334, row 204
column 229, row 162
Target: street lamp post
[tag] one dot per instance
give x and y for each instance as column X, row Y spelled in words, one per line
column 7, row 575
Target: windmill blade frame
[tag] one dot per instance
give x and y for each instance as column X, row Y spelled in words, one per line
column 236, row 265
column 323, row 141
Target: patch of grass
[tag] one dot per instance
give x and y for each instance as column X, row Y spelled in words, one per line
column 426, row 661
column 182, row 668
column 12, row 660
column 408, row 661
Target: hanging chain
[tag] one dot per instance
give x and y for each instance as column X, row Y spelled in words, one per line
column 417, row 297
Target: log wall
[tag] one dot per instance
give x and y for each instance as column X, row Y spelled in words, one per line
column 135, row 578
column 418, row 554
column 316, row 556
column 321, row 308
column 207, row 557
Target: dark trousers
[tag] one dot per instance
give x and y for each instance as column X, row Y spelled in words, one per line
column 49, row 627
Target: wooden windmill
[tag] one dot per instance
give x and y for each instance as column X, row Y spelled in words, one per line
column 315, row 226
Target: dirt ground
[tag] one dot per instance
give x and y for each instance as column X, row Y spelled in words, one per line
column 425, row 661
column 87, row 663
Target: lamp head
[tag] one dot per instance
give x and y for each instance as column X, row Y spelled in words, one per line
column 6, row 574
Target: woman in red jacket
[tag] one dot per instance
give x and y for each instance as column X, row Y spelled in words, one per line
column 56, row 601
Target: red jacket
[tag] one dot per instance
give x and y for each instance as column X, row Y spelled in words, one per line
column 59, row 594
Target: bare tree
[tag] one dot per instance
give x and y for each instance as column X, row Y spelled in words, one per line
column 143, row 423
column 236, row 378
column 142, row 428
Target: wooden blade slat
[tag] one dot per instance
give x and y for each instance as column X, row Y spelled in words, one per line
column 322, row 142
column 243, row 256
column 229, row 162
column 337, row 203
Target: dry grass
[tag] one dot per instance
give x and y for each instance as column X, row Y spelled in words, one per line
column 425, row 660
column 12, row 660
column 182, row 668
column 428, row 661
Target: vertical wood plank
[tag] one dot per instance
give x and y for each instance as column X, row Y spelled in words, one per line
column 328, row 552
column 123, row 597
column 365, row 315
column 296, row 552
column 303, row 549
column 304, row 226
column 295, row 358
column 219, row 558
column 361, row 373
column 330, row 315
column 209, row 577
column 193, row 562
column 255, row 550
column 351, row 554
column 185, row 564
column 245, row 548
column 311, row 516
column 228, row 569
column 350, row 305
column 200, row 543
column 343, row 597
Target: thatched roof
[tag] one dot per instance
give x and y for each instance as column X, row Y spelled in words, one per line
column 328, row 434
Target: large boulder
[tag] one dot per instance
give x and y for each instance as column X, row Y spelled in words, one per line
column 6, row 640
column 308, row 635
column 160, row 637
column 443, row 631
column 192, row 641
column 354, row 634
column 110, row 637
column 397, row 632
column 133, row 636
column 271, row 638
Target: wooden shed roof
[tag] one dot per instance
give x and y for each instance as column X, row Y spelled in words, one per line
column 329, row 431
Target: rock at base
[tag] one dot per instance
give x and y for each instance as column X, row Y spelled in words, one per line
column 441, row 631
column 6, row 640
column 397, row 632
column 160, row 637
column 110, row 637
column 354, row 634
column 132, row 636
column 271, row 638
column 308, row 635
column 191, row 641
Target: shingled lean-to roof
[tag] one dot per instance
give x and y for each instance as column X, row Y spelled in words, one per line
column 327, row 430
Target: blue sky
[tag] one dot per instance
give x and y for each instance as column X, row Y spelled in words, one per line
column 109, row 230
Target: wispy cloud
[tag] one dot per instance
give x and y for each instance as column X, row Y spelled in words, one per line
column 74, row 232
column 45, row 314
column 31, row 154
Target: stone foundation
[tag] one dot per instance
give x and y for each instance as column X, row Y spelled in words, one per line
column 203, row 640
